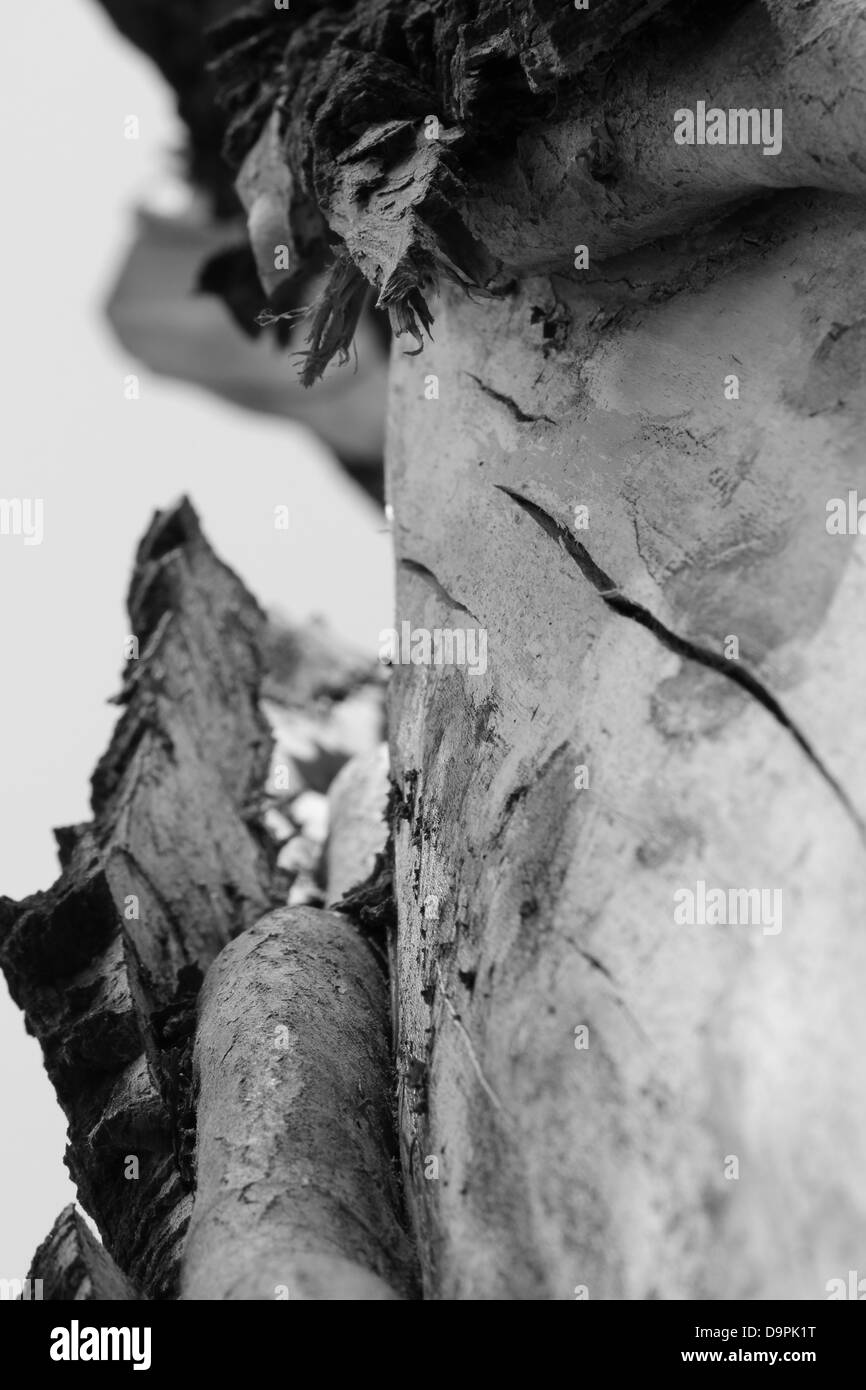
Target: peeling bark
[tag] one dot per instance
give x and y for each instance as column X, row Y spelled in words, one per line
column 551, row 128
column 106, row 964
column 74, row 1267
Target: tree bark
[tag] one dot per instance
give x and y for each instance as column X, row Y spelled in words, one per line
column 299, row 1196
column 106, row 965
column 178, row 862
column 554, row 905
column 73, row 1267
column 612, row 471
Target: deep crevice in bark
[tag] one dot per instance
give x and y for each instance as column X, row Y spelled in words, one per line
column 415, row 567
column 625, row 607
column 520, row 415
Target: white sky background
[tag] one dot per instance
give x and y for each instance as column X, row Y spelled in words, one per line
column 102, row 464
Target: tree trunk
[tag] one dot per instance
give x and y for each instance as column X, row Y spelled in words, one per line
column 611, row 755
column 620, row 901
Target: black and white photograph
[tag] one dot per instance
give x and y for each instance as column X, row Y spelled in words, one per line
column 433, row 732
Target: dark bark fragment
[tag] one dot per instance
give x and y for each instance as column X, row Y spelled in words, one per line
column 74, row 1267
column 106, row 964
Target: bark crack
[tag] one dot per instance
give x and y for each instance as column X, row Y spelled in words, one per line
column 461, row 1028
column 596, row 963
column 414, row 567
column 617, row 995
column 625, row 607
column 510, row 405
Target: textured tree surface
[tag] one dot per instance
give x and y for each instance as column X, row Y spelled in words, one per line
column 194, row 837
column 605, row 1167
column 296, row 1191
column 75, row 1268
column 614, row 462
column 107, row 963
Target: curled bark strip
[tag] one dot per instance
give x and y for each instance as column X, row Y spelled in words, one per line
column 299, row 1193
